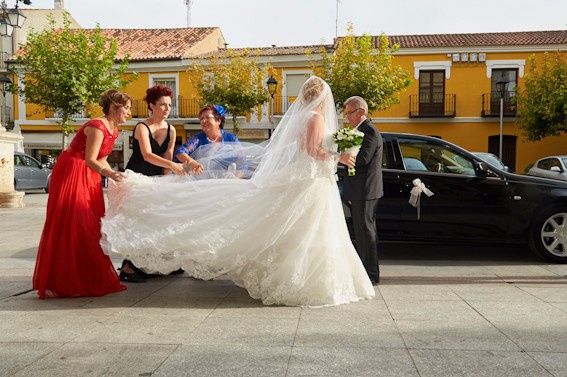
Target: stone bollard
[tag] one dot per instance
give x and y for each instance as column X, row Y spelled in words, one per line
column 9, row 198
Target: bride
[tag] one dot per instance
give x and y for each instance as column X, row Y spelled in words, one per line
column 280, row 234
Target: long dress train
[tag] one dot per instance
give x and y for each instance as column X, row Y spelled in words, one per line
column 281, row 234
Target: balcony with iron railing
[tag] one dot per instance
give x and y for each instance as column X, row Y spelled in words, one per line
column 180, row 108
column 440, row 106
column 58, row 114
column 282, row 104
column 491, row 104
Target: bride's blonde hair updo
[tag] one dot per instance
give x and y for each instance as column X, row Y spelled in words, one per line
column 312, row 89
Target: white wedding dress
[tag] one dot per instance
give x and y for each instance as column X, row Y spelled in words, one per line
column 281, row 234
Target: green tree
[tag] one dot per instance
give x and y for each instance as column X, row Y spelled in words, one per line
column 234, row 81
column 542, row 103
column 357, row 68
column 67, row 69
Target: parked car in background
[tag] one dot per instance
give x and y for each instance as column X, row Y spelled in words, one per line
column 492, row 160
column 29, row 173
column 473, row 201
column 553, row 167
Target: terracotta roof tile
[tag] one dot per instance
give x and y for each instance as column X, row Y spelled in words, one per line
column 270, row 51
column 157, row 44
column 523, row 38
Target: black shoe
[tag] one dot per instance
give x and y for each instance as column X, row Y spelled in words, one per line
column 177, row 272
column 375, row 282
column 131, row 277
column 141, row 274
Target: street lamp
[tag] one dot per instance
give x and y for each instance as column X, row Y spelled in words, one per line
column 11, row 18
column 272, row 84
column 5, row 83
column 501, row 88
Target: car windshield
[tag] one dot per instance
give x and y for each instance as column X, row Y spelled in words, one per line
column 564, row 160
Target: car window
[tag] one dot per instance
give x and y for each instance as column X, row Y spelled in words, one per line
column 388, row 159
column 564, row 159
column 492, row 160
column 28, row 161
column 423, row 155
column 545, row 164
column 18, row 160
column 411, row 163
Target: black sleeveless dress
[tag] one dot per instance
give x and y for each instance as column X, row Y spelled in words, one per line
column 137, row 162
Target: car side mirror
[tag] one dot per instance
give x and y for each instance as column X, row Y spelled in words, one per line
column 484, row 170
column 481, row 166
column 555, row 169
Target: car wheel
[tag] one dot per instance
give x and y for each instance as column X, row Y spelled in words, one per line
column 47, row 187
column 548, row 236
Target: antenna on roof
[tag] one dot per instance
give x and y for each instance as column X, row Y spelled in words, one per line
column 189, row 3
column 337, row 19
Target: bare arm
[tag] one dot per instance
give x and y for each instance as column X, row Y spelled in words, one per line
column 168, row 155
column 93, row 143
column 182, row 154
column 315, row 134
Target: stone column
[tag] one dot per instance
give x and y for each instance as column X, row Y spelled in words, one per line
column 9, row 198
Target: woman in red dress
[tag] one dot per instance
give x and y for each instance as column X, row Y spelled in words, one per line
column 70, row 261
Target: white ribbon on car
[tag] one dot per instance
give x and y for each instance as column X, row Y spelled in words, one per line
column 415, row 195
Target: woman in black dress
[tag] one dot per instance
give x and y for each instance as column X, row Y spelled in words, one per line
column 152, row 153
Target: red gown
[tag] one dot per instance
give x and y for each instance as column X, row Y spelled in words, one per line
column 70, row 261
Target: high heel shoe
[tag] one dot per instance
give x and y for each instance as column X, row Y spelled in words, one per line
column 177, row 272
column 130, row 277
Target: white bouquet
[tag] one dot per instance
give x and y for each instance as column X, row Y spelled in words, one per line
column 349, row 141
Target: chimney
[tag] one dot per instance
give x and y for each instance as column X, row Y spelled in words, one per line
column 58, row 4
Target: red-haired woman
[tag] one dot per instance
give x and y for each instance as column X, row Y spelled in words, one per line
column 152, row 152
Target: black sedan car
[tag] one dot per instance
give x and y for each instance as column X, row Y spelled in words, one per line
column 472, row 202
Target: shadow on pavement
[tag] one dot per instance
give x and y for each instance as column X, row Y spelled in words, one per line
column 391, row 253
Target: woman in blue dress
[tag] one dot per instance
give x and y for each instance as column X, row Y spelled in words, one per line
column 212, row 119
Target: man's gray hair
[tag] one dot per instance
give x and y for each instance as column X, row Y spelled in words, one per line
column 358, row 102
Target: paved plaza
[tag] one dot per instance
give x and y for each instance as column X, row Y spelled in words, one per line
column 448, row 311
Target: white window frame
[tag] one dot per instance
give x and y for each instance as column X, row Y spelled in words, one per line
column 167, row 76
column 505, row 64
column 290, row 73
column 440, row 65
column 161, row 76
column 306, row 72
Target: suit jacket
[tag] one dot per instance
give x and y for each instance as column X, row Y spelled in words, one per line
column 366, row 184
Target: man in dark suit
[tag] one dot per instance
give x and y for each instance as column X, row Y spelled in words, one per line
column 363, row 189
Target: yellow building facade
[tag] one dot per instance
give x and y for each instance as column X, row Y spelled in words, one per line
column 457, row 83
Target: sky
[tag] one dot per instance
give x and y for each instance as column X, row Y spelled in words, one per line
column 259, row 23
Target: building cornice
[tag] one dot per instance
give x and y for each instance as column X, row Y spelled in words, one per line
column 491, row 49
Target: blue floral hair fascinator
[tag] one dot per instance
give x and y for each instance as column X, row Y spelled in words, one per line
column 221, row 110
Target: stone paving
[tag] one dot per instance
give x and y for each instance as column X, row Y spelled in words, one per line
column 495, row 312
